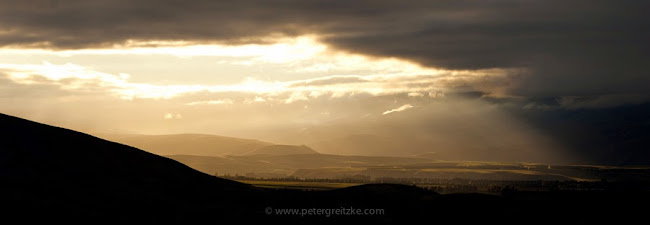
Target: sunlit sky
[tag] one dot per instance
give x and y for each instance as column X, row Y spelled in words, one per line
column 281, row 91
column 301, row 66
column 465, row 79
column 282, row 71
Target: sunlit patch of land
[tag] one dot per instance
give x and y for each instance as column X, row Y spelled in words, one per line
column 456, row 177
column 443, row 186
column 376, row 169
column 300, row 185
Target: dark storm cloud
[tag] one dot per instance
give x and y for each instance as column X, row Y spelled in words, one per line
column 571, row 48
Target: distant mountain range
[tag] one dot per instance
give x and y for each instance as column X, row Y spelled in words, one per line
column 283, row 150
column 221, row 155
column 204, row 145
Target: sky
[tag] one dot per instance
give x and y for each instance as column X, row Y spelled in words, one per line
column 540, row 81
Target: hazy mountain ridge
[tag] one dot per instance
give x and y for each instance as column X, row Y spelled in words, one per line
column 283, row 150
column 204, row 145
column 263, row 159
column 188, row 144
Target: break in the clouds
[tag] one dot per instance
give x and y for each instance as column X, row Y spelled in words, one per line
column 579, row 48
column 211, row 102
column 316, row 72
column 399, row 109
column 172, row 116
column 80, row 80
column 489, row 78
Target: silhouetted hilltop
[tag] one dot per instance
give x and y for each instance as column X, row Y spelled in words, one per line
column 60, row 174
column 33, row 152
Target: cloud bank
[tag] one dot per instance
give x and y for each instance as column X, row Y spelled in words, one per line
column 573, row 70
column 72, row 77
column 571, row 48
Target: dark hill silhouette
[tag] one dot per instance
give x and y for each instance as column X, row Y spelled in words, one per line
column 43, row 153
column 283, row 150
column 53, row 173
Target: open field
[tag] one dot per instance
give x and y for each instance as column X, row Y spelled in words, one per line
column 300, row 185
column 322, row 166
